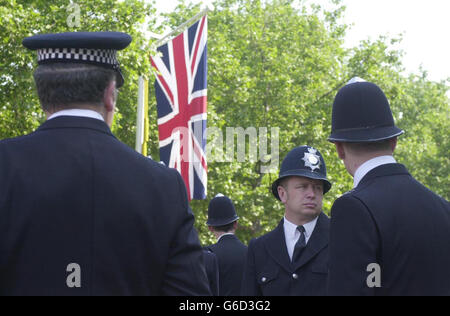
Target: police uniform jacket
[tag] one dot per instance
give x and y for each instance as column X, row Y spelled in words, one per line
column 231, row 254
column 83, row 214
column 212, row 271
column 391, row 220
column 270, row 272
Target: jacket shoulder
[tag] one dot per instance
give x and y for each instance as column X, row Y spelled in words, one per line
column 259, row 241
column 348, row 203
column 348, row 193
column 162, row 171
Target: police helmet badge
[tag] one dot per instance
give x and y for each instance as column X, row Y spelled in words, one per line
column 311, row 159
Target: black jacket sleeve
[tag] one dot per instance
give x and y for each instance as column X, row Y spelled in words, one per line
column 354, row 243
column 185, row 272
column 250, row 285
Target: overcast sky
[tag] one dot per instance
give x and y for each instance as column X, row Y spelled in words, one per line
column 425, row 25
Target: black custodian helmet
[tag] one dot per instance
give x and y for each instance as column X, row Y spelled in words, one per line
column 361, row 113
column 221, row 211
column 303, row 161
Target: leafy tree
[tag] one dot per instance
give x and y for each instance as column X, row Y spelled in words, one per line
column 279, row 64
column 270, row 65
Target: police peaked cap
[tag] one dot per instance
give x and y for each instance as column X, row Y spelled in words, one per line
column 221, row 211
column 97, row 48
column 361, row 113
column 303, row 161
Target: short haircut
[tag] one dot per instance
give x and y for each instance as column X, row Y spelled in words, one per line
column 283, row 182
column 61, row 85
column 382, row 145
column 224, row 228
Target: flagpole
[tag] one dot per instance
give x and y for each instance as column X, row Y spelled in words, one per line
column 140, row 116
column 178, row 29
column 146, row 120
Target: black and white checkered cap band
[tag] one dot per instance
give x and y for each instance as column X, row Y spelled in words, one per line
column 89, row 55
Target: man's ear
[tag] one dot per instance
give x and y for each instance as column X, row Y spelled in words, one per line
column 109, row 96
column 393, row 143
column 282, row 193
column 340, row 150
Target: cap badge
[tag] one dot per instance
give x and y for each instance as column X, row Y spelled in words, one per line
column 311, row 159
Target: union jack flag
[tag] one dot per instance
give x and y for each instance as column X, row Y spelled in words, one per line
column 181, row 97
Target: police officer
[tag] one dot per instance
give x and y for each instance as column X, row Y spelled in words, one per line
column 390, row 234
column 293, row 258
column 230, row 251
column 82, row 213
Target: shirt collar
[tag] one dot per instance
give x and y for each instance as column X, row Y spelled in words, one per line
column 369, row 165
column 77, row 112
column 290, row 229
column 223, row 235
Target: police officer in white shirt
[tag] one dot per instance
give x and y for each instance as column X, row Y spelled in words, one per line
column 293, row 258
column 390, row 234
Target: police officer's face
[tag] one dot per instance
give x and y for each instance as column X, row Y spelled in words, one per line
column 302, row 197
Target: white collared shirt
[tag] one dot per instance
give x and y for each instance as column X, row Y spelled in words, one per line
column 291, row 234
column 77, row 112
column 224, row 235
column 369, row 165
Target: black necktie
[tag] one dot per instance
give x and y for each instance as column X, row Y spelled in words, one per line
column 300, row 245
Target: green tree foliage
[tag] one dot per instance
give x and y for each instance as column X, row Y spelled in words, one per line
column 279, row 64
column 271, row 64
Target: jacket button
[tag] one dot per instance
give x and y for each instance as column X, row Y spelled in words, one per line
column 295, row 276
column 263, row 279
